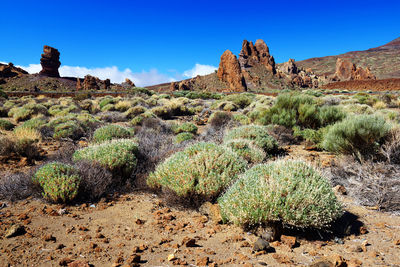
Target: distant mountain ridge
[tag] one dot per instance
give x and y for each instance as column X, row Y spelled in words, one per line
column 384, row 61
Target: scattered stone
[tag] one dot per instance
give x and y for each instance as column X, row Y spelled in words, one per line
column 65, row 261
column 363, row 230
column 358, row 249
column 289, row 241
column 282, row 259
column 134, row 260
column 78, row 263
column 49, row 237
column 397, row 242
column 171, row 257
column 261, row 245
column 354, row 263
column 202, row 261
column 189, row 242
column 340, row 190
column 331, row 261
column 15, row 230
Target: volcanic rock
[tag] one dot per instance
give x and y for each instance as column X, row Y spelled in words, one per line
column 289, row 67
column 50, row 62
column 256, row 54
column 94, row 83
column 78, row 84
column 8, row 71
column 128, row 81
column 348, row 71
column 230, row 73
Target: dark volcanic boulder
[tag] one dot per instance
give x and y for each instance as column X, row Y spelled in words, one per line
column 50, row 62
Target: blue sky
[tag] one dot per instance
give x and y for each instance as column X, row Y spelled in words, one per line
column 167, row 38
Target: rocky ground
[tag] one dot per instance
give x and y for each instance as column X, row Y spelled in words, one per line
column 141, row 228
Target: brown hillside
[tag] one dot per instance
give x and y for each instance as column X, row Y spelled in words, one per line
column 384, row 61
column 373, row 85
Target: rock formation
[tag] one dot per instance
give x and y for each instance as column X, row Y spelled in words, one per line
column 348, row 71
column 50, row 62
column 94, row 83
column 289, row 67
column 256, row 54
column 9, row 70
column 78, row 84
column 129, row 82
column 230, row 73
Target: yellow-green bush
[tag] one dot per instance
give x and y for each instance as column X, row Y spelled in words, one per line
column 258, row 135
column 203, row 169
column 284, row 191
column 110, row 132
column 59, row 182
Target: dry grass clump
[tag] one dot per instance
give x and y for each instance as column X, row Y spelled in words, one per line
column 375, row 184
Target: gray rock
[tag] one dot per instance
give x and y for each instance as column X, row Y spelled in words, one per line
column 261, row 245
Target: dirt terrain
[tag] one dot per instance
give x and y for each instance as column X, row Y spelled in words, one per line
column 141, row 228
column 373, row 85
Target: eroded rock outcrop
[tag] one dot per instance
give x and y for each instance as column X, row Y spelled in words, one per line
column 289, row 67
column 348, row 71
column 50, row 62
column 256, row 54
column 94, row 83
column 230, row 73
column 9, row 71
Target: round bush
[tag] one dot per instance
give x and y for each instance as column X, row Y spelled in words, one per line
column 247, row 150
column 68, row 130
column 187, row 127
column 117, row 155
column 6, row 125
column 60, row 182
column 203, row 169
column 110, row 132
column 179, row 138
column 255, row 133
column 288, row 192
column 356, row 135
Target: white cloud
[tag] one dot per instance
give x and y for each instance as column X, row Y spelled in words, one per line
column 199, row 69
column 143, row 78
column 113, row 73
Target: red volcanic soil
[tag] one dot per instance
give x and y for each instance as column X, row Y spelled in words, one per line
column 373, row 85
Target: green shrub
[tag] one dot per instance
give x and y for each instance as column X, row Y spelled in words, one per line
column 80, row 96
column 241, row 100
column 181, row 137
column 186, row 127
column 225, row 105
column 60, row 182
column 118, row 155
column 197, row 94
column 27, row 111
column 6, row 125
column 357, row 135
column 330, row 114
column 35, row 123
column 288, row 192
column 243, row 119
column 68, row 130
column 203, row 169
column 106, row 101
column 108, row 107
column 246, row 149
column 110, row 132
column 61, row 110
column 134, row 111
column 3, row 94
column 254, row 133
